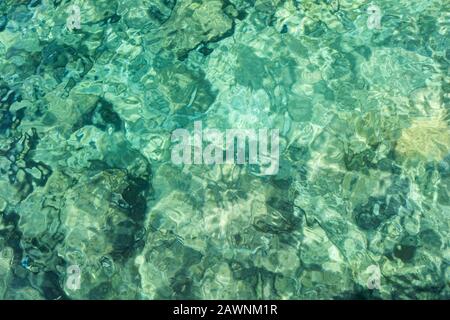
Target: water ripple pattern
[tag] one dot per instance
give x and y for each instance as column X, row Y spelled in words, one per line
column 92, row 207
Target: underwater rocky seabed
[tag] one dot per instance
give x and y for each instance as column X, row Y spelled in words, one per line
column 86, row 177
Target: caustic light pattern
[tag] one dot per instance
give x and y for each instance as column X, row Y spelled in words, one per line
column 92, row 207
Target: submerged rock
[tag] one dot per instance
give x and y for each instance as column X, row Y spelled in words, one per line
column 426, row 139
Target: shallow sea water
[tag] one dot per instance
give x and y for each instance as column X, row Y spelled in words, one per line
column 92, row 207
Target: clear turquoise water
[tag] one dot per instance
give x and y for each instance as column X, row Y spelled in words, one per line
column 359, row 208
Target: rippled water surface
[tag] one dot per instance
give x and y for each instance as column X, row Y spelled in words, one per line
column 92, row 207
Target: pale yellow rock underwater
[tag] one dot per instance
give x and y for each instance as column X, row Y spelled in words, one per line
column 426, row 138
